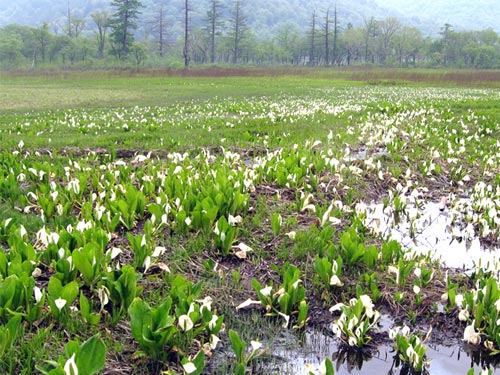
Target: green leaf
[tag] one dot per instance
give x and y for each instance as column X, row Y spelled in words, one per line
column 84, row 306
column 276, row 223
column 140, row 316
column 70, row 292
column 91, row 356
column 54, row 287
column 199, row 362
column 329, row 367
column 238, row 346
column 240, row 370
column 83, row 259
column 301, row 318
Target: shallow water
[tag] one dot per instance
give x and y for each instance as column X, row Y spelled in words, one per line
column 316, row 346
column 434, row 234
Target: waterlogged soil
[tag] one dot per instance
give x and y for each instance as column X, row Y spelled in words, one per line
column 288, row 352
column 297, row 354
column 447, row 353
column 451, row 359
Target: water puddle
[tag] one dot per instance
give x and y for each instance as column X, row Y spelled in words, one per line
column 432, row 232
column 289, row 355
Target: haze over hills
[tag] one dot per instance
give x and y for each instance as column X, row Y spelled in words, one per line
column 461, row 14
column 267, row 16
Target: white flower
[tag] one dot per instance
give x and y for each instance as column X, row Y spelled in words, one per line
column 444, row 297
column 336, row 307
column 308, row 206
column 416, row 289
column 103, row 294
column 189, row 367
column 368, row 304
column 291, row 235
column 459, row 298
column 393, row 332
column 206, row 303
column 233, row 220
column 70, row 366
column 266, row 291
column 470, row 334
column 394, row 270
column 37, row 272
column 38, row 294
column 248, row 302
column 244, row 249
column 159, row 250
column 214, row 340
column 334, row 280
column 366, row 301
column 463, row 315
column 337, row 330
column 418, row 272
column 178, row 169
column 60, row 303
column 213, row 322
column 22, row 231
column 6, row 223
column 405, row 331
column 352, row 341
column 185, row 323
column 114, row 252
column 255, row 345
column 490, row 346
column 412, row 355
column 296, row 284
column 352, row 323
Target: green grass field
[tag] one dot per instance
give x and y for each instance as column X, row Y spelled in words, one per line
column 129, row 198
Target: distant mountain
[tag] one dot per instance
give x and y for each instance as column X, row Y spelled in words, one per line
column 461, row 14
column 265, row 17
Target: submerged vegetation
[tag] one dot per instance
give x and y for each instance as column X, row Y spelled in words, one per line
column 185, row 236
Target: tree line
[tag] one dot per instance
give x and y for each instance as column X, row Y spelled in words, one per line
column 223, row 36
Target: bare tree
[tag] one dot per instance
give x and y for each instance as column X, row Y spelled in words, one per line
column 388, row 28
column 213, row 16
column 186, row 52
column 159, row 27
column 336, row 32
column 238, row 29
column 326, row 29
column 101, row 20
column 312, row 44
column 370, row 31
column 69, row 31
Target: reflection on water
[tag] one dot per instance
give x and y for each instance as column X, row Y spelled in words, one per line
column 292, row 355
column 433, row 232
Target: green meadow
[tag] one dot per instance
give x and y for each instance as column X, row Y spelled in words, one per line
column 171, row 222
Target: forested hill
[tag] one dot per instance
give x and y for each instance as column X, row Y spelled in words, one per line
column 266, row 16
column 462, row 14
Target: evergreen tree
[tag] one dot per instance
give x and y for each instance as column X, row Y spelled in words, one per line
column 122, row 23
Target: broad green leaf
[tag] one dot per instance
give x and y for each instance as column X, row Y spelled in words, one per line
column 91, row 356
